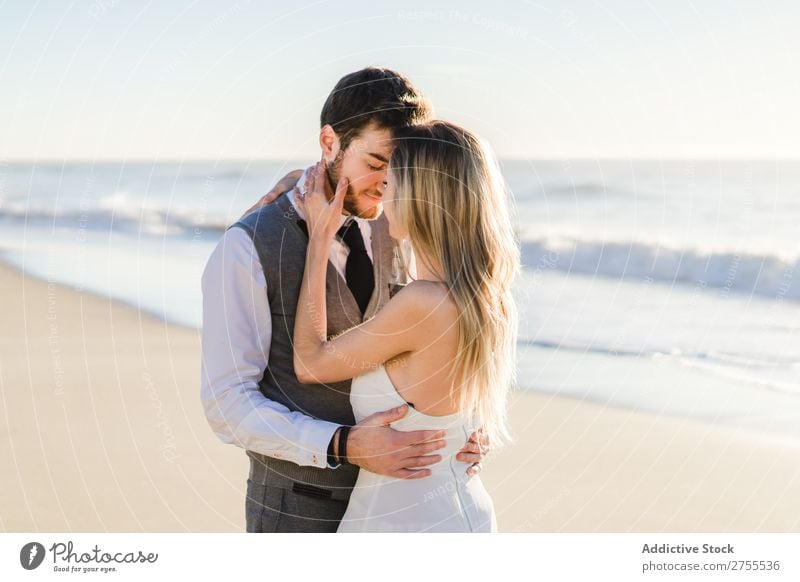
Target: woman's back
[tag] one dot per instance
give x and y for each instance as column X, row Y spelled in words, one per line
column 448, row 500
column 425, row 377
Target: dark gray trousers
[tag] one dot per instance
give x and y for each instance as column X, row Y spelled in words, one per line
column 280, row 502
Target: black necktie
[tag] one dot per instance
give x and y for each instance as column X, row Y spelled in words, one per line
column 359, row 274
column 358, row 270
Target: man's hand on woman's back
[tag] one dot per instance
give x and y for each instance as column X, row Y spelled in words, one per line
column 373, row 445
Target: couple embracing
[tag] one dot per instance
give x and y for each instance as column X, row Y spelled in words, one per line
column 366, row 383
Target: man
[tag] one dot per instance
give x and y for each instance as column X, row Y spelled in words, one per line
column 250, row 393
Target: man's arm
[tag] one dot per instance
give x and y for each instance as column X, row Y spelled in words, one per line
column 237, row 330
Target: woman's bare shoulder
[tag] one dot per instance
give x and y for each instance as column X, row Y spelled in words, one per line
column 428, row 298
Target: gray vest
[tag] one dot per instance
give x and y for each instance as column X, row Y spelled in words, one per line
column 281, row 247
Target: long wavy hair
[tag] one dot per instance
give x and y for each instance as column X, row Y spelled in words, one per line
column 451, row 198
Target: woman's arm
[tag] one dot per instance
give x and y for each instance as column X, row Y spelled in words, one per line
column 393, row 331
column 396, row 329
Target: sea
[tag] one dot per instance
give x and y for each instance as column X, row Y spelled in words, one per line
column 664, row 286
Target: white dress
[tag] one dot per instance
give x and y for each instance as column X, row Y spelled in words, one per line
column 447, row 501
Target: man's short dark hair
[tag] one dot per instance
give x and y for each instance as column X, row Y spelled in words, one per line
column 373, row 94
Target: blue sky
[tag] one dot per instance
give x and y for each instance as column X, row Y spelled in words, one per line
column 118, row 79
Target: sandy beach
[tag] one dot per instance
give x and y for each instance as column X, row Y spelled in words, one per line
column 102, row 430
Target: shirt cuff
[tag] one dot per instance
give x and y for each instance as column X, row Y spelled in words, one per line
column 317, row 439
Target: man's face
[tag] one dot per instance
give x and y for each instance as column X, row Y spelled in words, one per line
column 364, row 163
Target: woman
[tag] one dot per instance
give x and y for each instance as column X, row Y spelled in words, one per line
column 444, row 344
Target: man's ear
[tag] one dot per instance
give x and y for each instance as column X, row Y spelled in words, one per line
column 329, row 143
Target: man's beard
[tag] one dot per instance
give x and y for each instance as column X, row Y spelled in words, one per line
column 350, row 203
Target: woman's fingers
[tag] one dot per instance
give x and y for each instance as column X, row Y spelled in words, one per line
column 322, row 214
column 319, row 177
column 471, row 447
column 310, row 180
column 338, row 199
column 298, row 198
column 481, row 439
column 468, row 457
column 315, row 182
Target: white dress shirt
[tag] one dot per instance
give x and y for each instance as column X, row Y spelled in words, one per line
column 237, row 330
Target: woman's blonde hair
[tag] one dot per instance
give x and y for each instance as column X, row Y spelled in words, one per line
column 451, row 198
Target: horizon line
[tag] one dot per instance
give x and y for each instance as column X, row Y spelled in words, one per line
column 576, row 158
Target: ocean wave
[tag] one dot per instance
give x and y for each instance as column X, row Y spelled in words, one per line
column 112, row 215
column 745, row 369
column 745, row 361
column 764, row 275
column 730, row 374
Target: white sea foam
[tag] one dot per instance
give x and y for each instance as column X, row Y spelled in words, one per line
column 119, row 214
column 765, row 275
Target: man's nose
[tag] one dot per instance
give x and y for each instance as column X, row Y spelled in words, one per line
column 379, row 178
